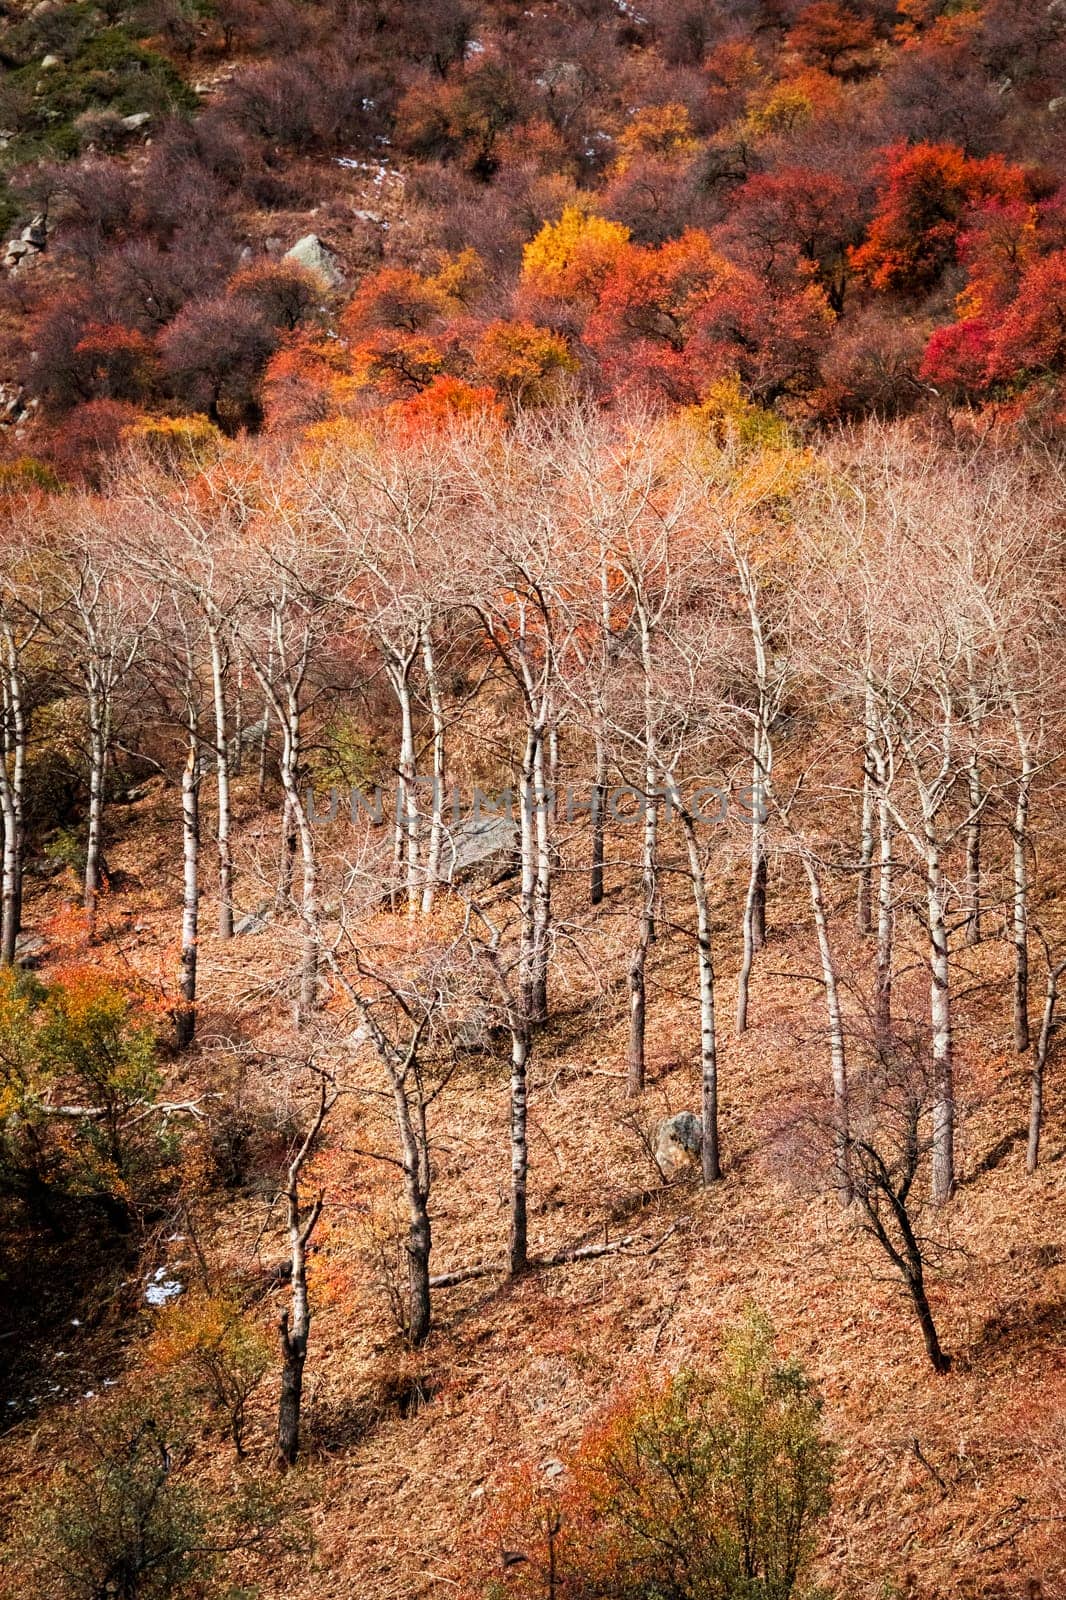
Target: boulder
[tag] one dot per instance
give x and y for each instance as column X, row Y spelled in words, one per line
column 679, row 1145
column 1057, row 106
column 136, row 120
column 311, row 253
column 359, row 1036
column 12, row 402
column 473, row 1035
column 35, row 233
column 248, row 736
column 256, row 921
column 484, row 847
column 49, row 62
column 29, row 950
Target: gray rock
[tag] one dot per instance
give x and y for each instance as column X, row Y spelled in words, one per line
column 49, row 62
column 482, row 847
column 135, row 120
column 1057, row 106
column 679, row 1145
column 256, row 921
column 473, row 1035
column 35, row 233
column 141, row 791
column 311, row 253
column 12, row 402
column 44, row 867
column 17, row 248
column 249, row 735
column 29, row 949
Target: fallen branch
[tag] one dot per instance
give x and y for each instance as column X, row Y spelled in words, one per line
column 562, row 1258
column 158, row 1108
column 483, row 1269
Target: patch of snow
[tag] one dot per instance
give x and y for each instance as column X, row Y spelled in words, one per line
column 474, row 47
column 161, row 1289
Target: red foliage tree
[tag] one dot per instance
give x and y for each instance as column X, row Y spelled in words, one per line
column 927, row 193
column 307, row 380
column 957, row 357
column 80, row 445
column 443, row 400
column 1031, row 338
column 680, row 317
column 115, row 363
column 794, row 220
column 394, row 298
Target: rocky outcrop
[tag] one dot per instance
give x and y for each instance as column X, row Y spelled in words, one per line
column 30, row 242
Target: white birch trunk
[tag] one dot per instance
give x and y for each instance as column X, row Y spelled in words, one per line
column 885, row 911
column 835, row 1021
column 436, row 821
column 185, row 1018
column 407, row 841
column 99, row 750
column 222, row 769
column 712, row 1161
column 940, row 1016
column 637, row 976
column 542, row 886
column 12, row 798
column 1020, row 905
column 866, row 838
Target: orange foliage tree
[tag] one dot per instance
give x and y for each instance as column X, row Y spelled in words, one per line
column 927, row 193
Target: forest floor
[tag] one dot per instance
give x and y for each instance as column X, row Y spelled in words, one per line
column 946, row 1486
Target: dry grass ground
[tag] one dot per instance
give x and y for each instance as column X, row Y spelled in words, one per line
column 947, row 1487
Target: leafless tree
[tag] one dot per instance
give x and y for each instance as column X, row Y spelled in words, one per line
column 20, row 625
column 294, row 1326
column 886, row 1149
column 98, row 621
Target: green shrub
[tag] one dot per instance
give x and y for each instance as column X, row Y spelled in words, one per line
column 77, row 1074
column 124, row 1517
column 711, row 1486
column 348, row 757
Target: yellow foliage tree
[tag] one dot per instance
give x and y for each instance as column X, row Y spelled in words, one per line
column 573, row 256
column 525, row 364
column 664, row 131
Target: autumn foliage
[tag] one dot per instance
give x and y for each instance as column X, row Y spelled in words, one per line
column 709, row 1484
